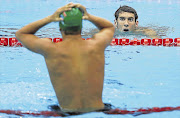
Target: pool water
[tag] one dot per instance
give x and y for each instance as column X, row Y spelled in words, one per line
column 135, row 76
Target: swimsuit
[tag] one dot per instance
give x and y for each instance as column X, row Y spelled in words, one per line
column 57, row 109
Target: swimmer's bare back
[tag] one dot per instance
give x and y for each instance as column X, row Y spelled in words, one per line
column 76, row 69
column 76, row 66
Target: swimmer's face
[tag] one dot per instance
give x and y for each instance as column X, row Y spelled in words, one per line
column 126, row 22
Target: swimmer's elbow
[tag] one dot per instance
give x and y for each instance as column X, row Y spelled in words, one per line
column 18, row 34
column 111, row 31
column 113, row 28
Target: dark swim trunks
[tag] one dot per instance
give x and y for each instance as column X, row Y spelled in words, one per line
column 57, row 109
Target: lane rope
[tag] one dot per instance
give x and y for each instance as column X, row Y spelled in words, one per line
column 13, row 42
column 137, row 112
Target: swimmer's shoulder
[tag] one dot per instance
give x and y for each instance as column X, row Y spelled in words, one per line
column 151, row 33
column 91, row 32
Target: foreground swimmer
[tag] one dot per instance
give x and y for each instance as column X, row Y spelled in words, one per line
column 76, row 66
column 126, row 21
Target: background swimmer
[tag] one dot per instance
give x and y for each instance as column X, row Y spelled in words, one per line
column 126, row 21
column 75, row 66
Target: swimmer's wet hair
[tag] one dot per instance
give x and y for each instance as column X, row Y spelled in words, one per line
column 126, row 9
column 74, row 30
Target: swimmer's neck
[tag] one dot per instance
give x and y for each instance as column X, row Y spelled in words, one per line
column 72, row 37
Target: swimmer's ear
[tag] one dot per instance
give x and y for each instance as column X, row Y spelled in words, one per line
column 137, row 23
column 115, row 23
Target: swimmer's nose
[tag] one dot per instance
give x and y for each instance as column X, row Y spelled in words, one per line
column 126, row 25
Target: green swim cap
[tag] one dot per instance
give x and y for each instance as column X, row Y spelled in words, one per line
column 72, row 20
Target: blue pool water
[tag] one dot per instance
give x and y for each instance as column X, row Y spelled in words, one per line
column 135, row 76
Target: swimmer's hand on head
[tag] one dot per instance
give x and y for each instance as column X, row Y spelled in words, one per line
column 83, row 9
column 55, row 17
column 99, row 22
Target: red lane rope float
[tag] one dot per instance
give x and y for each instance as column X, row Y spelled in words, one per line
column 145, row 41
column 177, row 42
column 168, row 42
column 21, row 113
column 142, row 111
column 156, row 42
column 57, row 40
column 122, row 42
column 135, row 42
column 14, row 42
column 137, row 112
column 4, row 41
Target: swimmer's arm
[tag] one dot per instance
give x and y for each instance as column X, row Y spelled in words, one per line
column 26, row 36
column 91, row 32
column 151, row 33
column 106, row 28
